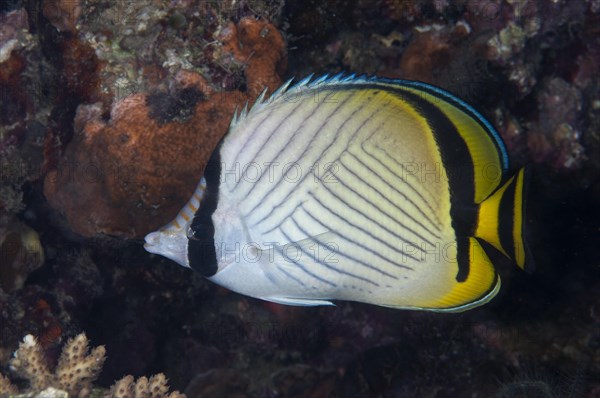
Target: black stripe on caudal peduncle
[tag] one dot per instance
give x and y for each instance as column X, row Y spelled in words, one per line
column 506, row 219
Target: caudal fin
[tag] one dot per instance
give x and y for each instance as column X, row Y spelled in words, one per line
column 501, row 220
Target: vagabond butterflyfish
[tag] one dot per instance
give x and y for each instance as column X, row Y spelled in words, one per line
column 354, row 188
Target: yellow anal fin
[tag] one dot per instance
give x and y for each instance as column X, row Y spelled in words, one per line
column 481, row 285
column 501, row 220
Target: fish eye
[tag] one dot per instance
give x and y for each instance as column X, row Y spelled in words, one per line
column 189, row 232
column 198, row 231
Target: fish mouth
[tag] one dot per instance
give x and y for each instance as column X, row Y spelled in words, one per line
column 152, row 241
column 168, row 243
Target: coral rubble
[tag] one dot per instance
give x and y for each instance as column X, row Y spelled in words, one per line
column 21, row 253
column 22, row 113
column 62, row 14
column 14, row 33
column 555, row 137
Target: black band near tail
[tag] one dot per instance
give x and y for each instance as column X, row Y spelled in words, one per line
column 202, row 256
column 459, row 167
column 529, row 265
column 506, row 222
column 458, row 164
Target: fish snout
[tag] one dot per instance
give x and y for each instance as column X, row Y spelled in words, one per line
column 152, row 241
column 172, row 244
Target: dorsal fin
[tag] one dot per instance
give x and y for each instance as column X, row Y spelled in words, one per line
column 340, row 78
column 186, row 214
column 307, row 83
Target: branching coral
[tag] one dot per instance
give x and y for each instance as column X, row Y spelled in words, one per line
column 6, row 387
column 155, row 387
column 75, row 372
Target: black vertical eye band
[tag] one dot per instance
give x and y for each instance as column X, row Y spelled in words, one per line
column 202, row 256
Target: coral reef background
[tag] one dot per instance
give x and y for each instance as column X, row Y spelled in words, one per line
column 109, row 109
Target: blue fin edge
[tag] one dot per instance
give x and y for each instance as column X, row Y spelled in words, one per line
column 310, row 82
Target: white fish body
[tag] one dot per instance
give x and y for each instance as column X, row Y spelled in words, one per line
column 318, row 200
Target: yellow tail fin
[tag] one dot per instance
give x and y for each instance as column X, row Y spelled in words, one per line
column 501, row 220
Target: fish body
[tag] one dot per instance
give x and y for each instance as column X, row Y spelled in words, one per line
column 354, row 188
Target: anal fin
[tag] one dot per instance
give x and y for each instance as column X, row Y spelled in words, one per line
column 297, row 301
